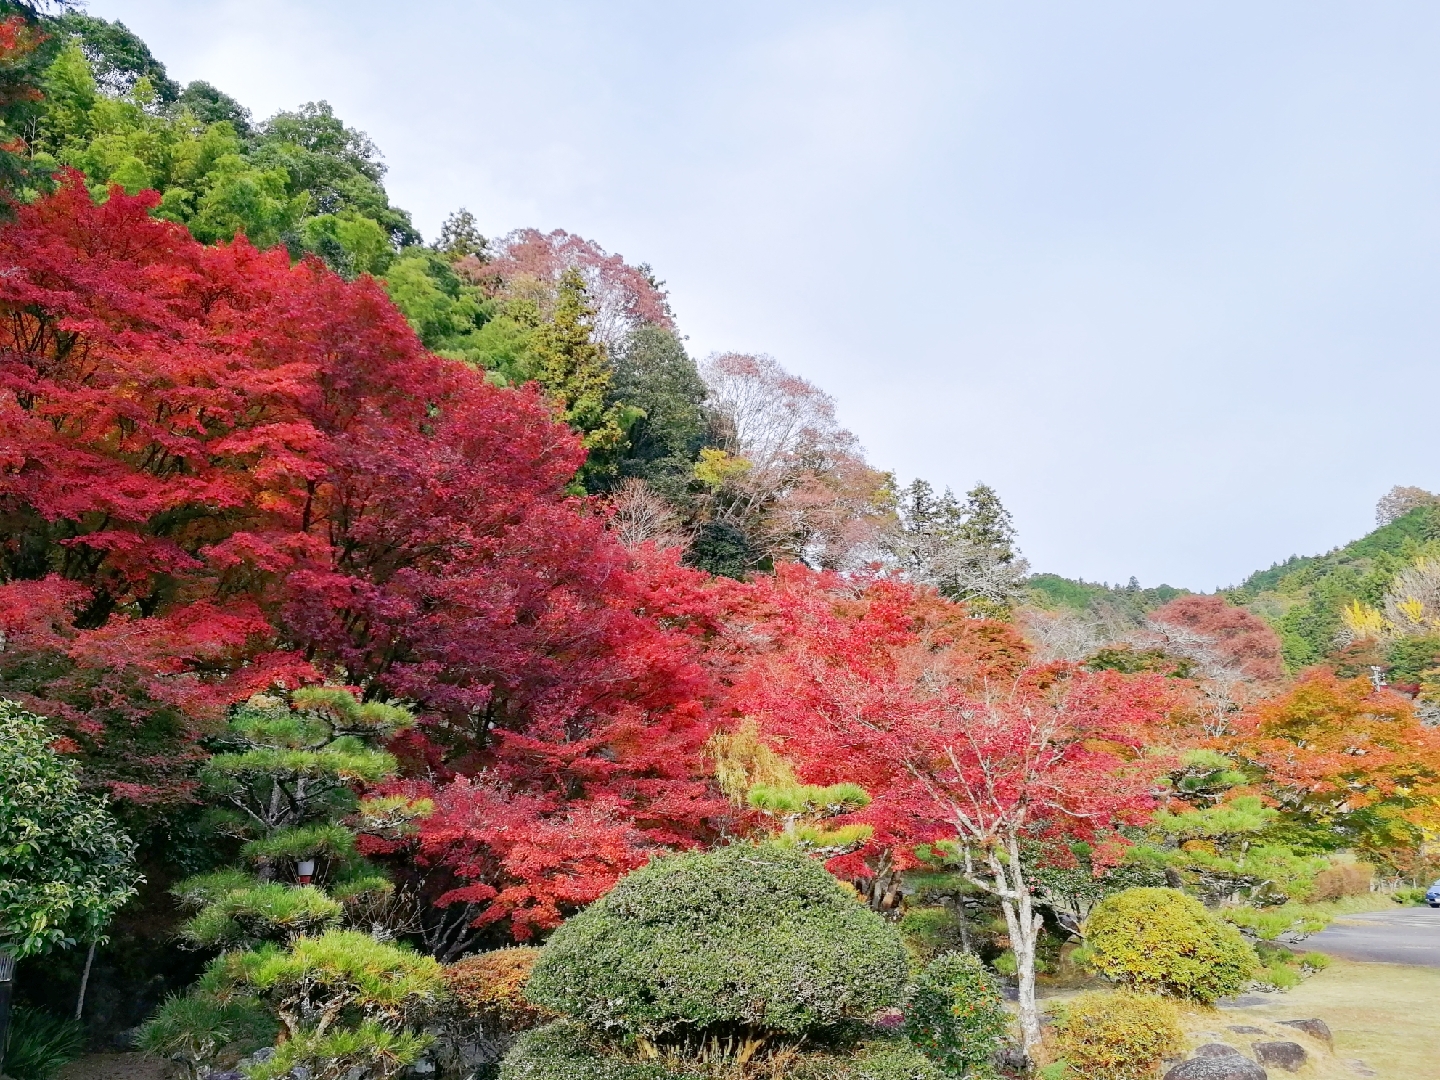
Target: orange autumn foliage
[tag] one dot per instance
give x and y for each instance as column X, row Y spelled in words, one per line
column 1332, row 747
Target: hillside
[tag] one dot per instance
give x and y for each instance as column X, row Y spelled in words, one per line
column 1304, row 597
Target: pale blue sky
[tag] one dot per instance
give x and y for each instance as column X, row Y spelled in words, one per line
column 1164, row 274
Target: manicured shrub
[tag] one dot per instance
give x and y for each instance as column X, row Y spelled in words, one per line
column 1117, row 1036
column 757, row 938
column 954, row 1014
column 1163, row 941
column 491, row 988
column 1342, row 879
column 566, row 1050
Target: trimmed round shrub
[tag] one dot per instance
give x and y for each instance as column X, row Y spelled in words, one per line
column 491, row 988
column 1163, row 941
column 1117, row 1035
column 566, row 1050
column 747, row 937
column 954, row 1013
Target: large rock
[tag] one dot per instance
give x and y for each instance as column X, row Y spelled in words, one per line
column 1229, row 1067
column 1214, row 1050
column 1316, row 1029
column 1290, row 1056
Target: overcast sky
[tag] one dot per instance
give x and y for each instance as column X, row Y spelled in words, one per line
column 1163, row 274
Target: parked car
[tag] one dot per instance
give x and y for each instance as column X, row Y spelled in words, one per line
column 1432, row 895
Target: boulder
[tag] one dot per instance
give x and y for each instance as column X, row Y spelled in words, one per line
column 1246, row 1029
column 1215, row 1050
column 1290, row 1056
column 1316, row 1029
column 1229, row 1067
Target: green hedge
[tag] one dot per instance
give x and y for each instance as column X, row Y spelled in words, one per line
column 752, row 937
column 565, row 1050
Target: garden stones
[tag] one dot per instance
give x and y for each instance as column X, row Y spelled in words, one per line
column 1246, row 1029
column 1215, row 1050
column 1316, row 1029
column 1233, row 1066
column 1290, row 1056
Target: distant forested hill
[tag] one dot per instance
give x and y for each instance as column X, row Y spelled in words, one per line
column 1306, row 598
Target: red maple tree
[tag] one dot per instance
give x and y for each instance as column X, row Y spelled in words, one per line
column 954, row 738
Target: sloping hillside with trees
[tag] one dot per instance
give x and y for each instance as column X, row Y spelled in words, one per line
column 451, row 673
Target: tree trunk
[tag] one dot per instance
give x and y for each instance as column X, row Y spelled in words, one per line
column 1023, row 923
column 84, row 981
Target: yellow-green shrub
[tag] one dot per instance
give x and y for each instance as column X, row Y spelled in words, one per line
column 1117, row 1036
column 1161, row 940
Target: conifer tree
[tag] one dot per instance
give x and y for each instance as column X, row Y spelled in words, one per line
column 574, row 369
column 288, row 919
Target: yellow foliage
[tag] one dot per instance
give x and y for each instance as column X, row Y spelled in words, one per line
column 1117, row 1036
column 716, row 468
column 1364, row 621
column 743, row 760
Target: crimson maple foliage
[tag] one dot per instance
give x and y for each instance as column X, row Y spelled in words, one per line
column 1240, row 638
column 218, row 470
column 955, row 739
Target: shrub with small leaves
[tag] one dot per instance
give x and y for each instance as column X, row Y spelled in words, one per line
column 491, row 988
column 754, row 937
column 954, row 1013
column 1117, row 1035
column 1163, row 941
column 565, row 1050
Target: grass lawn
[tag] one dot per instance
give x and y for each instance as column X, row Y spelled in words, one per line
column 1386, row 1015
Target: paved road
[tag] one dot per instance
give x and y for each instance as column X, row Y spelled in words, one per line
column 1403, row 936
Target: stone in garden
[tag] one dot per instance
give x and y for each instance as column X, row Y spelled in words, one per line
column 1290, row 1056
column 1244, row 1001
column 1361, row 1069
column 1215, row 1050
column 1230, row 1067
column 1246, row 1029
column 1317, row 1029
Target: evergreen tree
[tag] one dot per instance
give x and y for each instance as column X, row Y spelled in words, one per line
column 574, row 369
column 966, row 550
column 303, row 924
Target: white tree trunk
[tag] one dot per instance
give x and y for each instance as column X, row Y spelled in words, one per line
column 1023, row 923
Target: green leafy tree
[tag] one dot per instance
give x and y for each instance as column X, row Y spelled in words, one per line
column 66, row 866
column 117, row 57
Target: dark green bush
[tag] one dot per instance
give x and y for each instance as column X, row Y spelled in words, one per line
column 565, row 1050
column 1163, row 941
column 954, row 1013
column 754, row 938
column 38, row 1044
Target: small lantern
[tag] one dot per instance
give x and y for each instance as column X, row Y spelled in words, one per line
column 306, row 870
